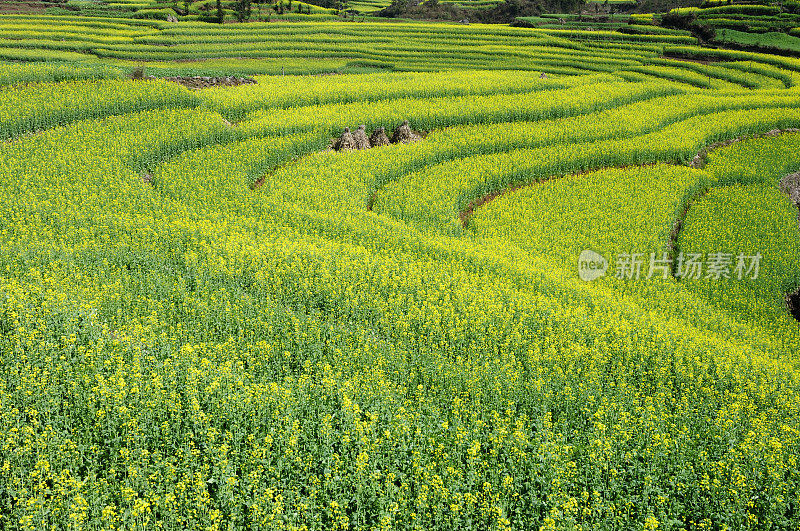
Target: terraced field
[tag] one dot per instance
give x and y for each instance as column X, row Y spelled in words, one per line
column 113, row 47
column 754, row 27
column 209, row 321
column 314, row 47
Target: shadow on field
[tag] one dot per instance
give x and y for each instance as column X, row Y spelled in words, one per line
column 793, row 304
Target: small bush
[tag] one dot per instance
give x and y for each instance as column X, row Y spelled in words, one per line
column 679, row 19
column 703, row 32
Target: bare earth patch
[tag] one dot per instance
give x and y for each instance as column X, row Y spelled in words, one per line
column 24, row 7
column 202, row 82
column 793, row 304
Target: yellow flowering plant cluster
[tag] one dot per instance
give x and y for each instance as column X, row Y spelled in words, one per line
column 41, row 106
column 745, row 212
column 216, row 325
column 297, row 91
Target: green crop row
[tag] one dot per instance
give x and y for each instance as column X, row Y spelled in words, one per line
column 435, row 113
column 786, row 63
column 301, row 91
column 635, row 119
column 742, row 75
column 25, row 109
column 42, row 28
column 616, row 36
column 766, row 41
column 40, row 55
column 17, row 74
column 741, row 9
column 451, row 186
column 97, row 22
column 752, row 24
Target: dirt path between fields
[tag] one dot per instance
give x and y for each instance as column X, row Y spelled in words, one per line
column 202, row 82
column 261, row 180
column 677, row 226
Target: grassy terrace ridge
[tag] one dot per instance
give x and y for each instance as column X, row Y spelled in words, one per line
column 213, row 318
column 750, row 27
column 317, row 47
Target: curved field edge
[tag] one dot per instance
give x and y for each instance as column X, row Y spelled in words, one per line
column 453, row 185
